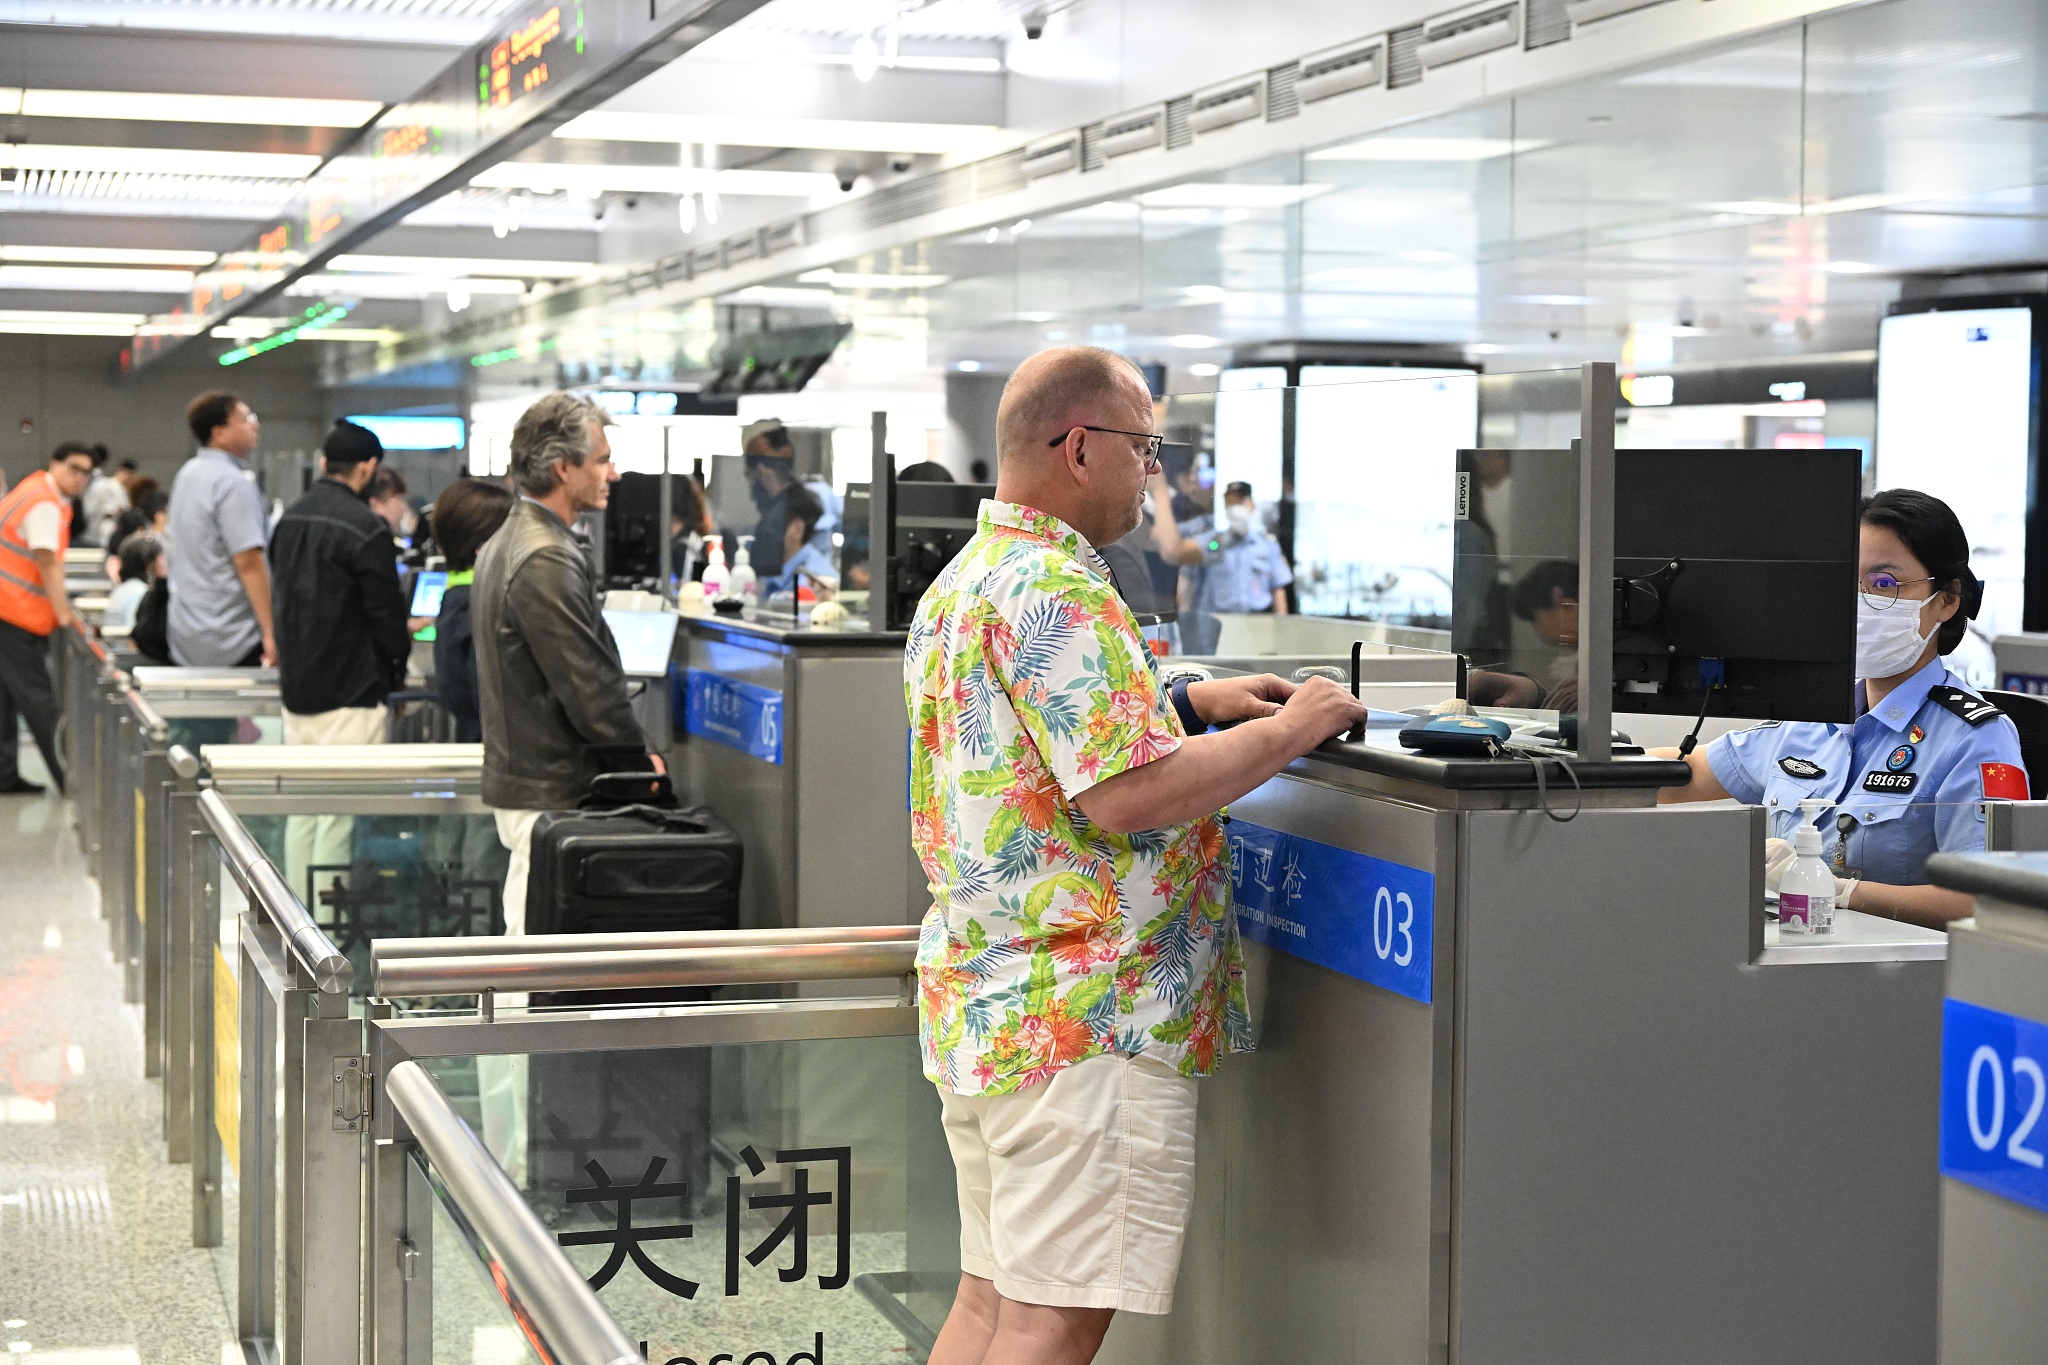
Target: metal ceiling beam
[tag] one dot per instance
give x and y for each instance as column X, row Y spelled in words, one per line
column 548, row 61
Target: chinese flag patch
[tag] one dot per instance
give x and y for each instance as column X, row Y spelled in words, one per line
column 2005, row 782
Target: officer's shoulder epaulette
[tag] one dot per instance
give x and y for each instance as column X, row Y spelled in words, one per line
column 1974, row 710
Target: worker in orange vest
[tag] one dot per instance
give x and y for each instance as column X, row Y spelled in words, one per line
column 35, row 530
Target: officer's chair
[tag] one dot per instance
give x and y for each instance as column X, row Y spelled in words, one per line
column 2030, row 716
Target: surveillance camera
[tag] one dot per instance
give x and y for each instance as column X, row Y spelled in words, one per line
column 900, row 164
column 1555, row 334
column 632, row 203
column 1034, row 24
column 846, row 179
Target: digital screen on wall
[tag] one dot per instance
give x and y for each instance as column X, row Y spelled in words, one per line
column 1955, row 406
column 1250, row 412
column 1375, row 472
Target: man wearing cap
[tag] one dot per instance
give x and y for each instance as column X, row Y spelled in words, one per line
column 341, row 630
column 771, row 473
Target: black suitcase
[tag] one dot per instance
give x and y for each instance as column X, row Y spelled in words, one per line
column 639, row 869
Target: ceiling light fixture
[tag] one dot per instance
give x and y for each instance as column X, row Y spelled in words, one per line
column 967, row 66
column 106, row 255
column 150, row 107
column 1396, row 148
column 107, row 279
column 546, row 177
column 1197, row 194
column 846, row 279
column 864, row 59
column 1203, row 293
column 746, row 130
column 462, row 265
column 42, row 322
column 158, row 161
column 1192, row 341
column 1204, row 370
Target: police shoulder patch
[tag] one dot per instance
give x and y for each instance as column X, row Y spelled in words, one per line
column 1801, row 767
column 1974, row 710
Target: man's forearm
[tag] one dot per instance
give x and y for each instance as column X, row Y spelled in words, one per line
column 255, row 576
column 1932, row 907
column 1205, row 774
column 52, row 570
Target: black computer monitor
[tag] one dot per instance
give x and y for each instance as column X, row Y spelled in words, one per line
column 633, row 531
column 1734, row 573
column 929, row 524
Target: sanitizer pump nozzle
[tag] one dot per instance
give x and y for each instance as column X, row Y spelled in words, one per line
column 1806, row 895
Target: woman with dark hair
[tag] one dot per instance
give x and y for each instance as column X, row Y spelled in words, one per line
column 1907, row 778
column 468, row 513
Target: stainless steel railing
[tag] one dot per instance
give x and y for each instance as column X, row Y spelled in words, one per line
column 329, row 969
column 147, row 718
column 558, row 963
column 542, row 1287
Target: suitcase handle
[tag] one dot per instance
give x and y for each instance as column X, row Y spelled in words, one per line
column 667, row 817
column 642, row 789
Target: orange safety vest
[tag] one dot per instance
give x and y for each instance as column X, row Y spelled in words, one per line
column 23, row 602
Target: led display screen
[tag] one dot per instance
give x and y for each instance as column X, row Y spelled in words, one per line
column 1955, row 408
column 415, row 433
column 1375, row 468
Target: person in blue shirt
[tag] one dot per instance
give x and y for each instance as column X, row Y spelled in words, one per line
column 800, row 552
column 1906, row 779
column 1241, row 569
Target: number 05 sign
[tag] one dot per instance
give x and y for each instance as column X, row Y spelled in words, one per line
column 1993, row 1090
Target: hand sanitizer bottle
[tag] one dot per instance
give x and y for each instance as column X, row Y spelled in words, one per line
column 1806, row 896
column 714, row 568
column 741, row 582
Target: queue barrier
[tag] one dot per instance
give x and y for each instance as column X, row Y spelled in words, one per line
column 335, row 1149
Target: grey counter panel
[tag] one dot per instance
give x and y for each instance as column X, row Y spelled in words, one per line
column 1320, row 1229
column 852, row 811
column 1667, row 1153
column 1994, row 1253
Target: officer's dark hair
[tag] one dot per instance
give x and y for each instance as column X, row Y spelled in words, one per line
column 1929, row 528
column 208, row 411
column 1549, row 584
column 66, row 449
column 804, row 506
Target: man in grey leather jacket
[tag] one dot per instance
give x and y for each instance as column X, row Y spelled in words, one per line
column 550, row 689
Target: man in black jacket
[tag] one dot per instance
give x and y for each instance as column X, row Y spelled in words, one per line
column 550, row 687
column 341, row 635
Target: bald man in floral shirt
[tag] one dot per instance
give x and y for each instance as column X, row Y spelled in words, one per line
column 1079, row 967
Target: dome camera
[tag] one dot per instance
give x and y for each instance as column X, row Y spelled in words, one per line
column 846, row 177
column 900, row 164
column 1034, row 24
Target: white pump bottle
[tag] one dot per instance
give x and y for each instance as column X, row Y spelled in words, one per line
column 714, row 567
column 741, row 581
column 1806, row 895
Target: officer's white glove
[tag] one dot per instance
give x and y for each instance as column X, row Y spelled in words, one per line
column 1843, row 886
column 1778, row 856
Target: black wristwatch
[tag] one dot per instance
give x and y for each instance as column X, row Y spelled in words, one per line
column 1184, row 708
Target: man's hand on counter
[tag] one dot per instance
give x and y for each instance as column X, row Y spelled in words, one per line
column 1231, row 699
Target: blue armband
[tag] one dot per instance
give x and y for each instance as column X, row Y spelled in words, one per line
column 1185, row 709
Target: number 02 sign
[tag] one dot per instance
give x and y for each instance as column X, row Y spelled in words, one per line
column 1994, row 1086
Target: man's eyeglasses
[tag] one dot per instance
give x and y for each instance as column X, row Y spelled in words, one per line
column 1152, row 442
column 1881, row 589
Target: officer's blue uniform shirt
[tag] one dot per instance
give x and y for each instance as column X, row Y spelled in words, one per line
column 1243, row 572
column 1909, row 773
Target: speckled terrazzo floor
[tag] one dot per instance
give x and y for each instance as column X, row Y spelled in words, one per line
column 96, row 1261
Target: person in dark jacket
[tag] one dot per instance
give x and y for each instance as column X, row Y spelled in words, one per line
column 341, row 636
column 468, row 513
column 550, row 688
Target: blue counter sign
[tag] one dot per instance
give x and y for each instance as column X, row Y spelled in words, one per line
column 1355, row 914
column 1993, row 1089
column 739, row 715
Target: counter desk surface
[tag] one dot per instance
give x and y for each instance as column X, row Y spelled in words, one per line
column 757, row 627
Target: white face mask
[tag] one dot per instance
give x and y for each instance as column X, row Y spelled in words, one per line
column 1888, row 641
column 1240, row 516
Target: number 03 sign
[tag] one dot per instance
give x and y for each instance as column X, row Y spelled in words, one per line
column 1350, row 912
column 1993, row 1091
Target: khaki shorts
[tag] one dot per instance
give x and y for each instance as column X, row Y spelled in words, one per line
column 1075, row 1192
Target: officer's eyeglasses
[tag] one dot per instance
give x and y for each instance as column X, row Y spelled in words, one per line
column 1152, row 443
column 1882, row 590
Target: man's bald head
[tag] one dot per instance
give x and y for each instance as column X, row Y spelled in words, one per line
column 1067, row 387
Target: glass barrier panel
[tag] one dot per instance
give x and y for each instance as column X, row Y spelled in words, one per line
column 792, row 1201
column 473, row 1325
column 366, row 877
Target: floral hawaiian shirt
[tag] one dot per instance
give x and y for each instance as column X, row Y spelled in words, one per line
column 1051, row 941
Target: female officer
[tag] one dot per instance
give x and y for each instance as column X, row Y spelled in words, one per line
column 1905, row 779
